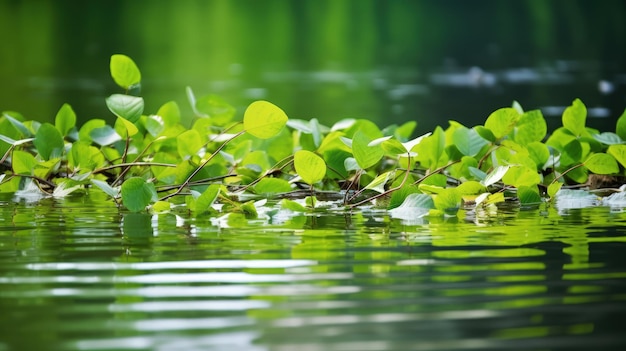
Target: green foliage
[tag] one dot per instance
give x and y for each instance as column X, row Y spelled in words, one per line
column 146, row 160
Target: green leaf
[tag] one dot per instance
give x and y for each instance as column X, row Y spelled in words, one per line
column 521, row 176
column 608, row 138
column 310, row 167
column 85, row 156
column 431, row 150
column 398, row 196
column 269, row 186
column 601, row 163
column 18, row 125
column 620, row 127
column 485, row 133
column 531, row 127
column 528, row 195
column 292, row 206
column 495, row 175
column 188, row 143
column 414, row 206
column 572, row 153
column 574, row 118
column 217, row 109
column 263, row 119
column 378, row 184
column 23, row 162
column 84, row 134
column 65, row 119
column 207, row 198
column 125, row 128
column 539, row 153
column 448, row 201
column 49, row 141
column 104, row 136
column 124, row 71
column 619, row 152
column 468, row 141
column 554, row 188
column 471, row 187
column 154, row 124
column 366, row 156
column 104, row 186
column 170, row 112
column 137, row 194
column 403, row 132
column 502, row 121
column 126, row 106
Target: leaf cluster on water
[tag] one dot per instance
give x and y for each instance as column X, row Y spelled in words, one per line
column 153, row 161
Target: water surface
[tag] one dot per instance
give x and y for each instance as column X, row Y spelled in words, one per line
column 78, row 274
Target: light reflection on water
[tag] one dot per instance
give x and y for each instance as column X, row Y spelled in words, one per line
column 74, row 276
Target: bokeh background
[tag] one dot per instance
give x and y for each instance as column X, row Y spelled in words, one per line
column 388, row 61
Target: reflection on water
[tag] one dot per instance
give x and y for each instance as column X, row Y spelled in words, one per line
column 76, row 274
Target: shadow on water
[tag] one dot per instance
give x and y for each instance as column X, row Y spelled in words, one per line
column 75, row 274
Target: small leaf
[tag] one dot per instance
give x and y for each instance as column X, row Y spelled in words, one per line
column 448, row 201
column 18, row 125
column 574, row 117
column 263, row 119
column 104, row 136
column 268, row 186
column 531, row 127
column 217, row 109
column 49, row 141
column 310, row 167
column 495, row 175
column 414, row 206
column 170, row 112
column 104, row 186
column 471, row 187
column 378, row 184
column 137, row 194
column 554, row 188
column 126, row 106
column 125, row 128
column 65, row 119
column 124, row 71
column 485, row 133
column 601, row 163
column 608, row 138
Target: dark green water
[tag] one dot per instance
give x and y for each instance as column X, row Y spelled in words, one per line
column 77, row 274
column 388, row 61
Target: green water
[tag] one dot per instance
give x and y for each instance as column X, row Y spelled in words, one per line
column 78, row 274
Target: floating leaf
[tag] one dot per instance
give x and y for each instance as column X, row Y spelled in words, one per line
column 124, row 71
column 137, row 194
column 574, row 117
column 528, row 195
column 49, row 141
column 126, row 106
column 310, row 167
column 292, row 206
column 413, row 207
column 263, row 119
column 448, row 201
column 65, row 119
column 601, row 163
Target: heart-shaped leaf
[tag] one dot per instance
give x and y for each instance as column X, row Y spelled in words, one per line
column 601, row 163
column 137, row 194
column 263, row 119
column 49, row 141
column 310, row 167
column 126, row 106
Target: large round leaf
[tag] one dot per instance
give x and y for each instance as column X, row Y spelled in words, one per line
column 602, row 163
column 264, row 119
column 48, row 141
column 310, row 167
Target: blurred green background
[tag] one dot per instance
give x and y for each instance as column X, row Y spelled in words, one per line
column 388, row 61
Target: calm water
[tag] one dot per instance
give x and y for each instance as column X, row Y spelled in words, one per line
column 77, row 274
column 389, row 61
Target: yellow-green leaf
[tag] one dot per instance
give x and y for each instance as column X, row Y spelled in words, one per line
column 263, row 119
column 310, row 167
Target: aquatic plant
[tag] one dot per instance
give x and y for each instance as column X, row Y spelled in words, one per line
column 219, row 164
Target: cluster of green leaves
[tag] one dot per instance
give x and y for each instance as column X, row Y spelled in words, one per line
column 153, row 160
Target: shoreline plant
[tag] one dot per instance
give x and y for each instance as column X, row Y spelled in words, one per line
column 221, row 165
